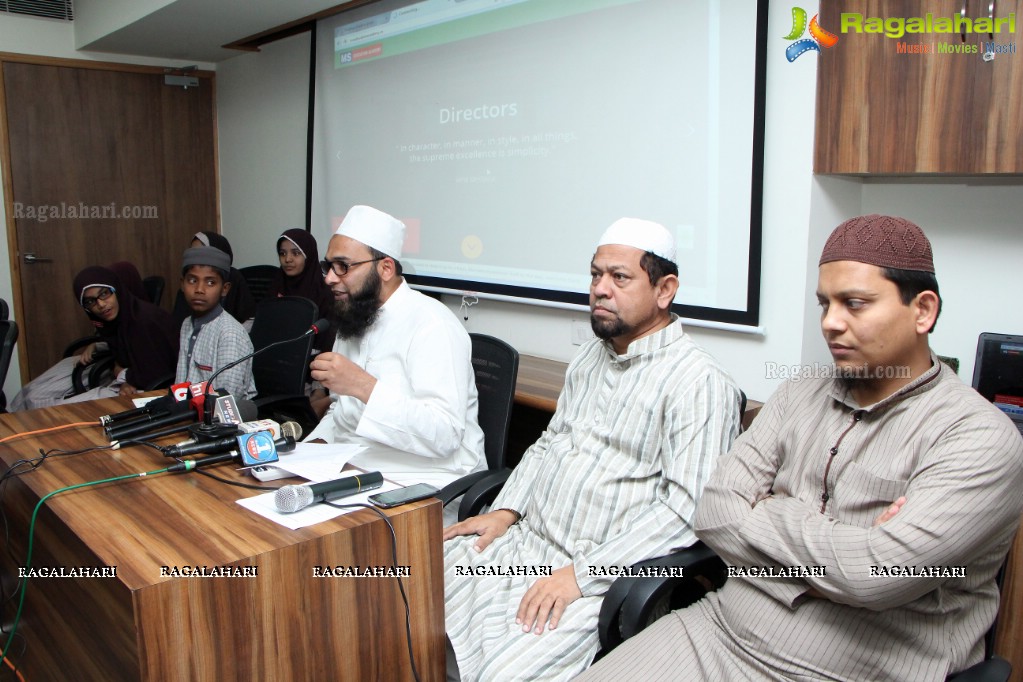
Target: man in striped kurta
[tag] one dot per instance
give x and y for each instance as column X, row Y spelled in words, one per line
column 639, row 426
column 904, row 485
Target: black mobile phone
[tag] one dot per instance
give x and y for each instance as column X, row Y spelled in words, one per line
column 394, row 498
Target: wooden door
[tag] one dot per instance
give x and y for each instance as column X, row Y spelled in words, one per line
column 103, row 165
column 914, row 104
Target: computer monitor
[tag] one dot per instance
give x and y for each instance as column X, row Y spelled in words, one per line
column 998, row 372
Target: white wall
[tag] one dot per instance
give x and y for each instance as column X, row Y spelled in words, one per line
column 976, row 231
column 974, row 227
column 50, row 38
column 262, row 106
column 96, row 18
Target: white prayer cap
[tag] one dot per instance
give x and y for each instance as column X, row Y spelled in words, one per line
column 641, row 234
column 375, row 229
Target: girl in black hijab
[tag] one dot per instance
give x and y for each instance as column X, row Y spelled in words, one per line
column 141, row 336
column 300, row 276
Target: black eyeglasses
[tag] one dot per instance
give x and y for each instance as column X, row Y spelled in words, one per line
column 341, row 267
column 90, row 302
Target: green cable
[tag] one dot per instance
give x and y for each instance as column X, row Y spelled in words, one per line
column 31, row 535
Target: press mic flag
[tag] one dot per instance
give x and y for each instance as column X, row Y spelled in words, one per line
column 253, row 449
column 291, row 498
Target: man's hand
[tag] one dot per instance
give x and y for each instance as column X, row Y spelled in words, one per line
column 85, row 357
column 886, row 515
column 342, row 376
column 548, row 596
column 128, row 389
column 488, row 526
column 890, row 512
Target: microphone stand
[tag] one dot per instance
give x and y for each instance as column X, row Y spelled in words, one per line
column 207, row 429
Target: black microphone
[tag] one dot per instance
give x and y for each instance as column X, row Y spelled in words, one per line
column 291, row 498
column 157, row 405
column 319, row 326
column 246, row 408
column 181, row 412
column 285, row 444
column 190, row 464
column 315, row 328
column 225, row 422
column 161, row 405
column 203, row 447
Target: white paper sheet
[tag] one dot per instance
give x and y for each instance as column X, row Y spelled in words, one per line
column 318, row 462
column 314, row 513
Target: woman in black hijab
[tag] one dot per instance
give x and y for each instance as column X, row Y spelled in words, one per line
column 300, row 276
column 141, row 336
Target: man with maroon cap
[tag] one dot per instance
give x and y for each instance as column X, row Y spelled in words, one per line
column 882, row 498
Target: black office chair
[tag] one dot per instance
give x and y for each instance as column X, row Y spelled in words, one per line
column 97, row 373
column 634, row 603
column 281, row 373
column 258, row 277
column 8, row 337
column 631, row 604
column 496, row 368
column 154, row 285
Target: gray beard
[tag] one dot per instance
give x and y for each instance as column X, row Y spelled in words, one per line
column 609, row 329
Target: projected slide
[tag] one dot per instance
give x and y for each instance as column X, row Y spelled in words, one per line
column 508, row 134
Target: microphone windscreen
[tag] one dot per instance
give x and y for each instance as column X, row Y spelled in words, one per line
column 321, row 325
column 293, row 429
column 291, row 498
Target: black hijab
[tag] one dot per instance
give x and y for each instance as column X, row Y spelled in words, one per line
column 143, row 337
column 308, row 284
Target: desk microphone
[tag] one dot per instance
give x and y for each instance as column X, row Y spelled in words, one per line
column 315, row 328
column 154, row 408
column 179, row 412
column 156, row 426
column 212, row 447
column 161, row 405
column 293, row 429
column 291, row 498
column 253, row 448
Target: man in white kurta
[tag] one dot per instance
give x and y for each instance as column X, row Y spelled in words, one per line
column 614, row 480
column 401, row 369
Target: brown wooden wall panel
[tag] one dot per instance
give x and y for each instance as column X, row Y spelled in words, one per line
column 96, row 137
column 880, row 111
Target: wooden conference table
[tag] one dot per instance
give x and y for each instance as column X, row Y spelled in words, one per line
column 283, row 624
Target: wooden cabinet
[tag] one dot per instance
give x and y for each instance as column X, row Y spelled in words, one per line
column 919, row 104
